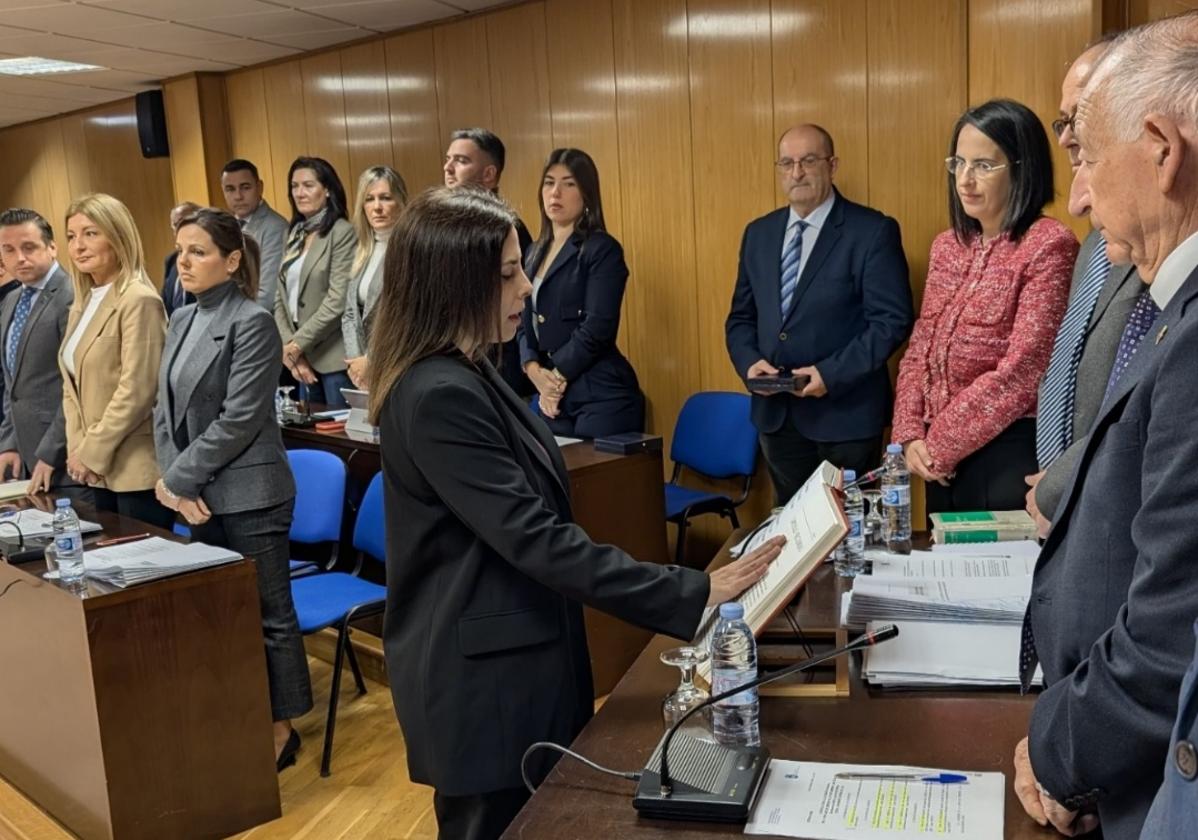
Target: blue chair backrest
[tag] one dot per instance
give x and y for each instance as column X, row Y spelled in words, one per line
column 370, row 531
column 715, row 436
column 319, row 495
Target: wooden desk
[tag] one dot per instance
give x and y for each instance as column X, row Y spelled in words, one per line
column 138, row 713
column 617, row 499
column 958, row 730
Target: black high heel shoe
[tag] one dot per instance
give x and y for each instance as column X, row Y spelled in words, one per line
column 287, row 756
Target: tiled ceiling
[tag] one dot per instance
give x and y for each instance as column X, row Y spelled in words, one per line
column 140, row 42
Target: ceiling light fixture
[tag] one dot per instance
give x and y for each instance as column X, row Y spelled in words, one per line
column 35, row 66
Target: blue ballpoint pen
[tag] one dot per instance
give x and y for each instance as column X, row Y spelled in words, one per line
column 934, row 778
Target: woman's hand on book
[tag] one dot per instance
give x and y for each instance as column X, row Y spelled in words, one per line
column 731, row 580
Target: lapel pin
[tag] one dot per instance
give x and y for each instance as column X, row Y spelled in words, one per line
column 1160, row 335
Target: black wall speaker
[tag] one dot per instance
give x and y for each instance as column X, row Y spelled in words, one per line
column 151, row 124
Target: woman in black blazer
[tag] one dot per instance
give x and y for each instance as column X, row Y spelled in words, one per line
column 568, row 333
column 486, row 573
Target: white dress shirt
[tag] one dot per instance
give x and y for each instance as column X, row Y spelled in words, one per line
column 815, row 223
column 93, row 304
column 1174, row 270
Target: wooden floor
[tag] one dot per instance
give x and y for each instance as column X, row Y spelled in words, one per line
column 368, row 794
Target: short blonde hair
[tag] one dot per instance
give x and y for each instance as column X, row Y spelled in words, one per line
column 361, row 223
column 115, row 221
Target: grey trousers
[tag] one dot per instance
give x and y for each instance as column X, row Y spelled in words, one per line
column 263, row 536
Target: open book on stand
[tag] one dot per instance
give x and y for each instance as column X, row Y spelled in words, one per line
column 813, row 523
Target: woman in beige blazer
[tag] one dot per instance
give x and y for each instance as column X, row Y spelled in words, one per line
column 109, row 361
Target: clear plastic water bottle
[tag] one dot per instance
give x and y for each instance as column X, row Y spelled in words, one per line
column 733, row 663
column 896, row 501
column 68, row 542
column 850, row 560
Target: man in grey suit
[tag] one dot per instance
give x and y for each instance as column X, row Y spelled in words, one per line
column 1115, row 590
column 1101, row 299
column 33, row 438
column 243, row 194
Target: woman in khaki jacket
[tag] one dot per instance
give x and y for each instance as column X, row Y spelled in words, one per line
column 109, row 361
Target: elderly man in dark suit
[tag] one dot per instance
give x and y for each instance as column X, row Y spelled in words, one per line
column 33, row 438
column 1101, row 298
column 821, row 292
column 1115, row 590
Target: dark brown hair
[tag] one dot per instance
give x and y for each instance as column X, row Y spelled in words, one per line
column 441, row 283
column 582, row 168
column 227, row 236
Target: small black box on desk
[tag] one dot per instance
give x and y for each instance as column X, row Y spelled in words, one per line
column 628, row 443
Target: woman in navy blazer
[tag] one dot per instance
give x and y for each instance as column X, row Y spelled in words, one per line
column 568, row 332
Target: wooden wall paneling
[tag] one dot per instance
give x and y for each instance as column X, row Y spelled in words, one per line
column 185, row 133
column 519, row 70
column 249, row 132
column 367, row 112
column 1024, row 56
column 324, row 113
column 732, row 136
column 77, row 168
column 412, row 93
column 652, row 86
column 217, row 144
column 51, row 187
column 582, row 97
column 287, row 120
column 819, row 61
column 463, row 76
column 917, row 90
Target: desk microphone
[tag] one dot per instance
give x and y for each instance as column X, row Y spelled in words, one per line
column 716, row 783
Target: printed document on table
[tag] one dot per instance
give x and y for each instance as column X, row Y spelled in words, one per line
column 1010, row 548
column 806, row 799
column 925, row 564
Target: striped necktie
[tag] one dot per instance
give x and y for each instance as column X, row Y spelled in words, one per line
column 1054, row 421
column 790, row 268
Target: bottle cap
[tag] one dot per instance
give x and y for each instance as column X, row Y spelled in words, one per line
column 850, row 475
column 894, row 448
column 62, row 503
column 732, row 610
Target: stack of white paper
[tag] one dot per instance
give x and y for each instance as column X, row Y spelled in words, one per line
column 151, row 559
column 821, row 802
column 930, row 654
column 956, row 599
column 36, row 523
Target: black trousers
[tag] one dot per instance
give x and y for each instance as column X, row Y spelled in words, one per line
column 137, row 504
column 600, row 418
column 483, row 816
column 992, row 477
column 263, row 536
column 791, row 457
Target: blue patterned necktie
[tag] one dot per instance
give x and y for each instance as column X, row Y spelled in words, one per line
column 1054, row 421
column 1142, row 317
column 790, row 268
column 19, row 317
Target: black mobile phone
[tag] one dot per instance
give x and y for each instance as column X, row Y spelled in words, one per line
column 774, row 384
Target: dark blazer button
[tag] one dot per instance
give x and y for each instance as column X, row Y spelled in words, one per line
column 1186, row 760
column 782, row 336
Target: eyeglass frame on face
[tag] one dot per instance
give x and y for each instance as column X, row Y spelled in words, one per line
column 1059, row 125
column 805, row 162
column 982, row 169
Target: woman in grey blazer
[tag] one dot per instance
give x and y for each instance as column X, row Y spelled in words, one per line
column 315, row 271
column 218, row 443
column 382, row 194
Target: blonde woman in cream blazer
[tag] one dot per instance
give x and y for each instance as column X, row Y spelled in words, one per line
column 109, row 360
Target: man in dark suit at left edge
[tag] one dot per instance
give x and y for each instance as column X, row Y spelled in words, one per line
column 821, row 292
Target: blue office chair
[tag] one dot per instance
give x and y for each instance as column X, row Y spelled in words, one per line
column 713, row 437
column 319, row 504
column 336, row 599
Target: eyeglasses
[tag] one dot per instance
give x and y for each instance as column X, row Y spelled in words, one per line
column 805, row 162
column 1059, row 126
column 981, row 169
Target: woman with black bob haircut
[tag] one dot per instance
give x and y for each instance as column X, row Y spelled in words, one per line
column 313, row 278
column 997, row 286
column 224, row 468
column 567, row 337
column 486, row 572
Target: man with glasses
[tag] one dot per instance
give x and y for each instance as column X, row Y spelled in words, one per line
column 821, row 296
column 1100, row 301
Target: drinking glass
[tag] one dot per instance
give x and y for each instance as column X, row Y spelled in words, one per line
column 688, row 695
column 283, row 403
column 873, row 520
column 51, row 562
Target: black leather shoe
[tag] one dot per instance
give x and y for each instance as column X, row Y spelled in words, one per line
column 287, row 756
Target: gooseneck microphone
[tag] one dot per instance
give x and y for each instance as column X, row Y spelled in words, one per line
column 728, row 789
